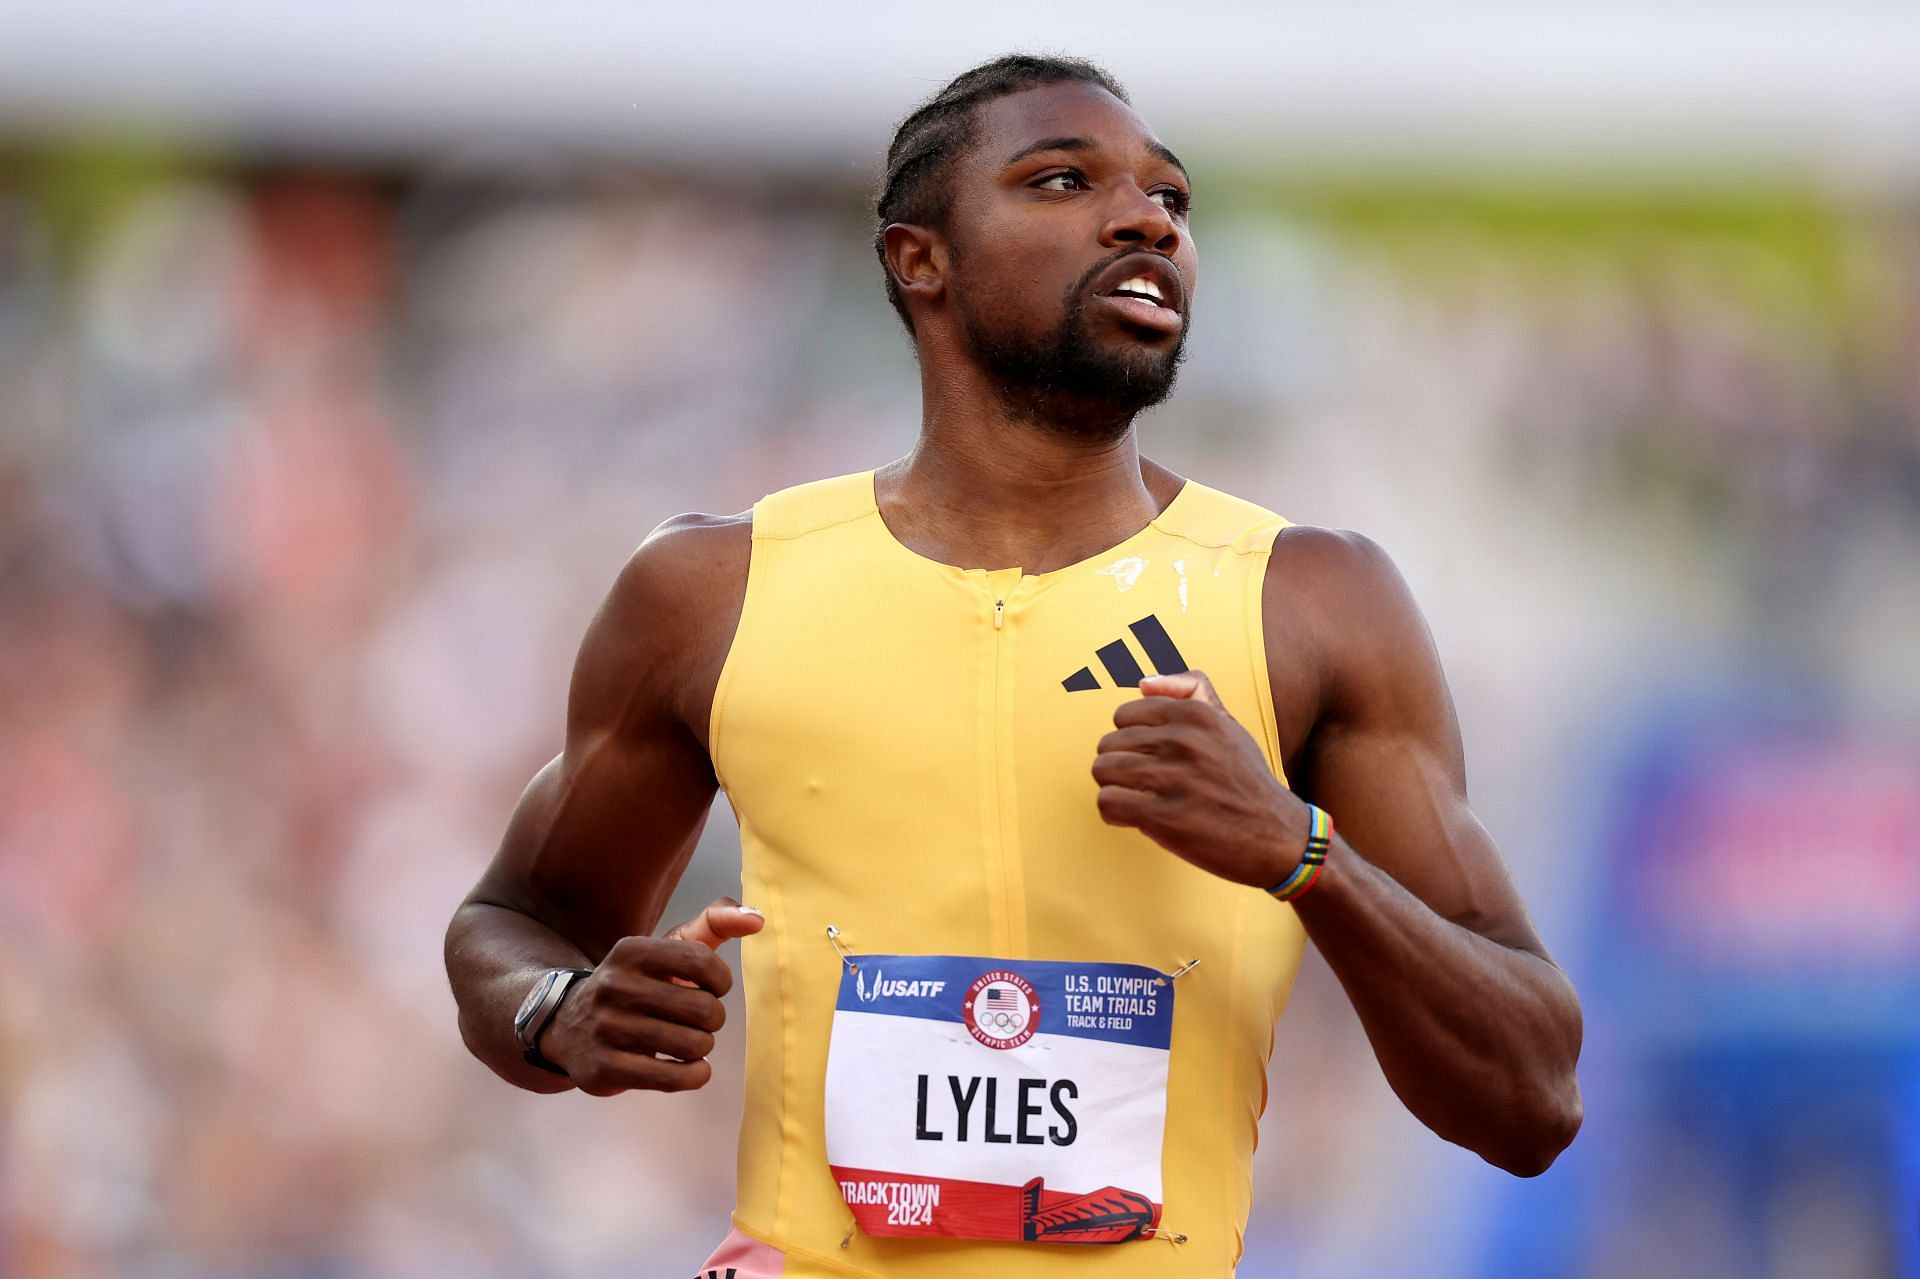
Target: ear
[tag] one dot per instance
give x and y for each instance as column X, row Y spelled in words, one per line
column 917, row 260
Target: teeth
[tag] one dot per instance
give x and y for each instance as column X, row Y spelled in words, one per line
column 1141, row 284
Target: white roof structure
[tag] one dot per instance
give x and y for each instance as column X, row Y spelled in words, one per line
column 1673, row 91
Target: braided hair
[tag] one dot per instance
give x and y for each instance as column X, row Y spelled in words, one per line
column 917, row 188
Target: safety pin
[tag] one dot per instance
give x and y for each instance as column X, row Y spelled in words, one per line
column 846, row 956
column 1179, row 972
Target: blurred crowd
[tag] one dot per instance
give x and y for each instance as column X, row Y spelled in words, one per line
column 310, row 480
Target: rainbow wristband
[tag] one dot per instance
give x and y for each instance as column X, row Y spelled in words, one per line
column 1319, row 839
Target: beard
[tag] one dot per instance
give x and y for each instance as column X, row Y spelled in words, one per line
column 1065, row 381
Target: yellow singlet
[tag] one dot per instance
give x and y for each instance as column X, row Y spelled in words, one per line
column 907, row 748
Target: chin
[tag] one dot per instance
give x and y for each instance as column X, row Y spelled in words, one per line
column 1082, row 378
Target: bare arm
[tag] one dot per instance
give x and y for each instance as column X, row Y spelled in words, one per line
column 1474, row 1026
column 602, row 834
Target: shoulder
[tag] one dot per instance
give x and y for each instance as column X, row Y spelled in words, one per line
column 1343, row 580
column 1336, row 566
column 662, row 632
column 1337, row 603
column 682, row 560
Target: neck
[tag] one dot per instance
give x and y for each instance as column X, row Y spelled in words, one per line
column 987, row 486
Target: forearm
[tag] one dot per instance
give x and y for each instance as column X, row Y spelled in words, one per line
column 494, row 956
column 1478, row 1039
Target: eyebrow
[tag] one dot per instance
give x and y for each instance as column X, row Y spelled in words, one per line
column 1158, row 151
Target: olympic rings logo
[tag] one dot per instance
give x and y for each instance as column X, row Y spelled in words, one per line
column 1002, row 1009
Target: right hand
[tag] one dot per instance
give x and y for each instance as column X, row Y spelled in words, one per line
column 647, row 1015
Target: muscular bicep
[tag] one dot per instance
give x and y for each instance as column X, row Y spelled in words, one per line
column 602, row 834
column 1384, row 754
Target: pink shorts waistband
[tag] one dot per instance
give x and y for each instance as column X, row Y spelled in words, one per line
column 739, row 1257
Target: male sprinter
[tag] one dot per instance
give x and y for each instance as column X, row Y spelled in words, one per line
column 1032, row 888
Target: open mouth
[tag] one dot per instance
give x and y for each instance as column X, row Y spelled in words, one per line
column 1143, row 288
column 1142, row 302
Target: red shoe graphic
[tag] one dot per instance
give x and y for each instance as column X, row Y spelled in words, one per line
column 1109, row 1215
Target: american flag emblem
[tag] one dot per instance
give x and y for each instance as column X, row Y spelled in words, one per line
column 1001, row 1009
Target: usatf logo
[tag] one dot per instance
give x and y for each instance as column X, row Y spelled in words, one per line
column 880, row 987
column 1001, row 1010
column 1121, row 664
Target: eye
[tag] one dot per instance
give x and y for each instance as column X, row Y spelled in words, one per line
column 1065, row 175
column 1176, row 200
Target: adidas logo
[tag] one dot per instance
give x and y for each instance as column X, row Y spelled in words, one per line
column 1121, row 665
column 717, row 1274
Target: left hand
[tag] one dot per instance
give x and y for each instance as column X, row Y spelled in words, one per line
column 1183, row 771
column 718, row 923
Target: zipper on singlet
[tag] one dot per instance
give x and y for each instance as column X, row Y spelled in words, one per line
column 1004, row 865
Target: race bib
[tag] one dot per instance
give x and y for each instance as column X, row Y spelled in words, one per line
column 978, row 1098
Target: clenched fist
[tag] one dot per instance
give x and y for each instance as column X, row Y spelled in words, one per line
column 647, row 1015
column 1183, row 771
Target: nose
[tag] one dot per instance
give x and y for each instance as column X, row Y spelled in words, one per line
column 1140, row 219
